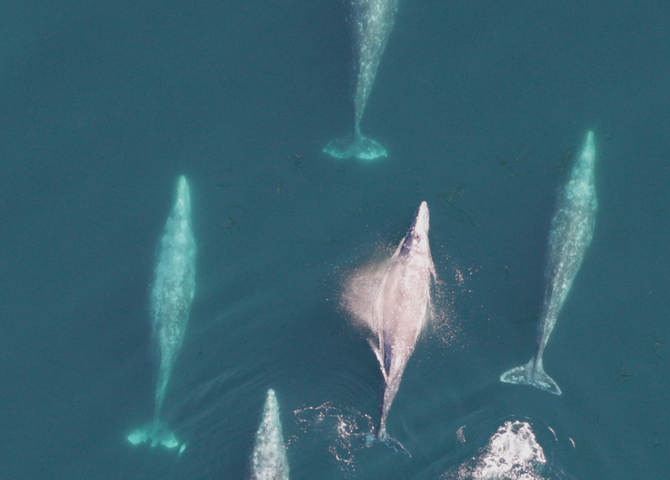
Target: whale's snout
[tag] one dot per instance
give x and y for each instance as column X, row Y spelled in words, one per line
column 422, row 221
column 417, row 237
column 183, row 193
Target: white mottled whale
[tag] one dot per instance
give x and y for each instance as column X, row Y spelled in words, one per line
column 393, row 300
column 571, row 233
column 171, row 297
column 268, row 461
column 373, row 21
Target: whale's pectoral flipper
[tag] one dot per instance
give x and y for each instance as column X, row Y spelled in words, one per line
column 531, row 374
column 157, row 432
column 358, row 146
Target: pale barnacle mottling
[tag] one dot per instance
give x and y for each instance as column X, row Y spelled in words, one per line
column 171, row 297
column 374, row 21
column 570, row 235
column 268, row 460
column 174, row 287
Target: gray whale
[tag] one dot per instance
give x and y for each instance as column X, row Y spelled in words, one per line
column 268, row 460
column 393, row 300
column 373, row 21
column 571, row 233
column 171, row 297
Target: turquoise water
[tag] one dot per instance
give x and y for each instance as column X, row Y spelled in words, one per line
column 480, row 106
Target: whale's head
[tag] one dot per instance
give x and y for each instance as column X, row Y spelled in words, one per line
column 416, row 240
column 183, row 195
column 422, row 220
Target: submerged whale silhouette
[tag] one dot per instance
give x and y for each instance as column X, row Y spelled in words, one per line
column 373, row 21
column 393, row 300
column 571, row 233
column 171, row 297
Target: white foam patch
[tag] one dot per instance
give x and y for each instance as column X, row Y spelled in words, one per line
column 344, row 428
column 513, row 453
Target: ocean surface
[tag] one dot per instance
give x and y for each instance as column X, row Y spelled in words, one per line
column 482, row 106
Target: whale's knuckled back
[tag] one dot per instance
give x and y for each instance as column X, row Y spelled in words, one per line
column 531, row 374
column 357, row 146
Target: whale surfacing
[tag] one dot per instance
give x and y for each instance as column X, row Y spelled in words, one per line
column 373, row 21
column 268, row 461
column 171, row 297
column 570, row 235
column 393, row 300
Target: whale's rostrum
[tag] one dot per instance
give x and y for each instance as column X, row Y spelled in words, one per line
column 393, row 300
column 570, row 234
column 170, row 305
column 372, row 21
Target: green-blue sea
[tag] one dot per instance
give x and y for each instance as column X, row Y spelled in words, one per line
column 482, row 105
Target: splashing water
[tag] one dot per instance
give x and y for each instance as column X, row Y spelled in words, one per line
column 513, row 453
column 348, row 425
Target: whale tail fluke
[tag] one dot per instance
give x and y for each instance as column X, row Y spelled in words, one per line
column 390, row 442
column 156, row 432
column 533, row 374
column 358, row 146
column 394, row 445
